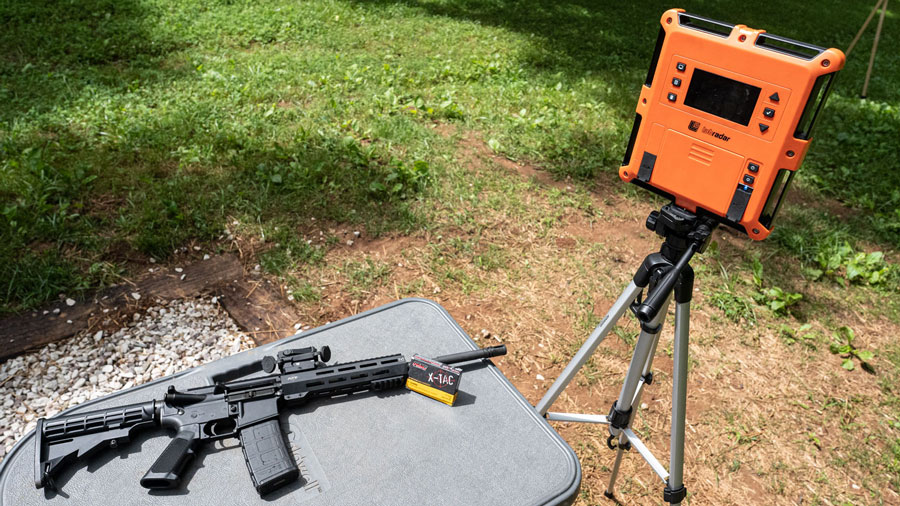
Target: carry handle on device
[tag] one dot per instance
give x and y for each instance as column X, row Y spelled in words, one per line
column 166, row 471
column 267, row 456
column 705, row 24
column 765, row 40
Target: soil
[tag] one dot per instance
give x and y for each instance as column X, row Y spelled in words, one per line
column 767, row 423
column 755, row 406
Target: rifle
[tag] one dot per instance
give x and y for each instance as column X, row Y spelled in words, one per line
column 245, row 408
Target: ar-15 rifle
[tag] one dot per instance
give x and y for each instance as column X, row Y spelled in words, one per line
column 245, row 408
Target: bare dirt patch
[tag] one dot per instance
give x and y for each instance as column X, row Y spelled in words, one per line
column 767, row 421
column 518, row 263
column 476, row 152
column 803, row 197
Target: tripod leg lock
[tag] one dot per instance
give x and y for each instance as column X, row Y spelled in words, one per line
column 618, row 419
column 674, row 496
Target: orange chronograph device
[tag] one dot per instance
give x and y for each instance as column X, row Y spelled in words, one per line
column 724, row 118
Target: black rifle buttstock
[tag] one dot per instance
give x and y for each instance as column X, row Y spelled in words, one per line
column 65, row 438
column 41, row 473
column 166, row 472
column 267, row 456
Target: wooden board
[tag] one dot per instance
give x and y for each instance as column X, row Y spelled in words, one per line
column 58, row 320
column 260, row 310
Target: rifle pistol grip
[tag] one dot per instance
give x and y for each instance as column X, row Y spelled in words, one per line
column 166, row 471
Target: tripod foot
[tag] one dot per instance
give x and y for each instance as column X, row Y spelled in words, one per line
column 612, row 497
column 674, row 496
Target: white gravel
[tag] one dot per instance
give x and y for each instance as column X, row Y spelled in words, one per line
column 167, row 338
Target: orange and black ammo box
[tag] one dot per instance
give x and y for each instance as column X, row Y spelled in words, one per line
column 724, row 118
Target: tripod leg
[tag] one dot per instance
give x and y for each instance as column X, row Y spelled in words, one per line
column 588, row 348
column 861, row 30
column 865, row 89
column 620, row 415
column 646, row 376
column 635, row 396
column 622, row 445
column 620, row 451
column 675, row 491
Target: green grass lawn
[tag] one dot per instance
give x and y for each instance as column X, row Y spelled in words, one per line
column 134, row 127
column 131, row 129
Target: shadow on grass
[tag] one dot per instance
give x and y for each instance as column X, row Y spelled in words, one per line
column 51, row 52
column 580, row 37
column 61, row 235
column 78, row 203
column 855, row 155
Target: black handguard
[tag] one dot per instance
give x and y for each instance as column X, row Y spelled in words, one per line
column 166, row 471
column 267, row 456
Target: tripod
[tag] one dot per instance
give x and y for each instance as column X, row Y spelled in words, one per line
column 664, row 274
column 882, row 4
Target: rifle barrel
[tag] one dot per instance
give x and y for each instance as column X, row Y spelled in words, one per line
column 467, row 356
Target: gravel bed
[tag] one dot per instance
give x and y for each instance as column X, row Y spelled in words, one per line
column 164, row 339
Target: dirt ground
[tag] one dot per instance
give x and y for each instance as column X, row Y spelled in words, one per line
column 535, row 263
column 766, row 423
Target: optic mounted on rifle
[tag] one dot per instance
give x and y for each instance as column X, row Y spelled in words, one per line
column 296, row 360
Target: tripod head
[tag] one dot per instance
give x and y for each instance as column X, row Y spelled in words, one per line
column 685, row 233
column 680, row 228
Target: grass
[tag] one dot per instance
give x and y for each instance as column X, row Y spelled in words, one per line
column 118, row 115
column 145, row 137
column 363, row 276
column 132, row 129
